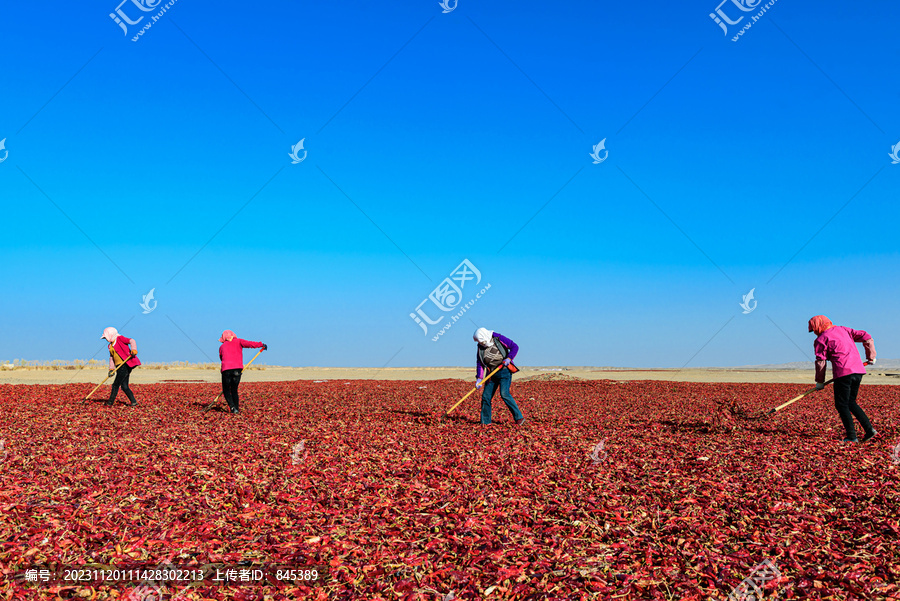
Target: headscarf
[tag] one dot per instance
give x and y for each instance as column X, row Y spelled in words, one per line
column 484, row 337
column 110, row 334
column 227, row 336
column 819, row 324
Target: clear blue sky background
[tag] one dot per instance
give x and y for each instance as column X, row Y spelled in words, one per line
column 164, row 164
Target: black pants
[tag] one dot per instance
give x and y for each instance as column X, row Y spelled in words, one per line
column 845, row 390
column 231, row 378
column 121, row 381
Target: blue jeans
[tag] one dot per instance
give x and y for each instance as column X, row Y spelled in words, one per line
column 503, row 379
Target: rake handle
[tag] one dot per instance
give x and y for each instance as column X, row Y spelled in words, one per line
column 216, row 400
column 488, row 377
column 104, row 380
column 795, row 399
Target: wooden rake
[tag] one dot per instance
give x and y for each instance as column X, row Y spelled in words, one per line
column 488, row 377
column 795, row 399
column 104, row 380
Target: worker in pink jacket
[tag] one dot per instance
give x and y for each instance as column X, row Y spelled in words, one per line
column 232, row 355
column 838, row 345
column 122, row 354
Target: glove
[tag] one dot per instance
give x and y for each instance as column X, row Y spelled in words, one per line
column 111, row 373
column 479, row 383
column 871, row 361
column 820, row 385
column 507, row 361
column 134, row 353
column 265, row 347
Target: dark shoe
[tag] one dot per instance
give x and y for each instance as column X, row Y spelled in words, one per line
column 235, row 410
column 133, row 404
column 520, row 421
column 846, row 440
column 108, row 403
column 869, row 436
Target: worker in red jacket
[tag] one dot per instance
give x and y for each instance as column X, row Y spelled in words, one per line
column 232, row 355
column 122, row 355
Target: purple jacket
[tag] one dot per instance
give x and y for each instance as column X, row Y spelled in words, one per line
column 511, row 347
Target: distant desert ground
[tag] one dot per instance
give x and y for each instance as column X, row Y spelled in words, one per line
column 279, row 374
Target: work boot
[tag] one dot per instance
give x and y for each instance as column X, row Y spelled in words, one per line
column 235, row 410
column 869, row 436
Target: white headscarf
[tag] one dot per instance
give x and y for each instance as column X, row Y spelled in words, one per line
column 110, row 334
column 484, row 337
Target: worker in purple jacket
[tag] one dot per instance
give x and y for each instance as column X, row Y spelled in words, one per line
column 495, row 350
column 838, row 345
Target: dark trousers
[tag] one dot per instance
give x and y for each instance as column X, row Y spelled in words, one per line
column 121, row 381
column 845, row 390
column 231, row 378
column 501, row 379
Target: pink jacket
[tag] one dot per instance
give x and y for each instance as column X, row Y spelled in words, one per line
column 232, row 353
column 123, row 348
column 838, row 345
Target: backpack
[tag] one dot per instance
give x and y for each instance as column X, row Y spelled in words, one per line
column 504, row 352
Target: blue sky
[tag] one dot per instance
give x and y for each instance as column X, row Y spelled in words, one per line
column 434, row 138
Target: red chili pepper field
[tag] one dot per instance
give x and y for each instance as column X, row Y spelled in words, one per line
column 631, row 490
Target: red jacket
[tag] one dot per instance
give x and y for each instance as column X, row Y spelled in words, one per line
column 232, row 352
column 123, row 348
